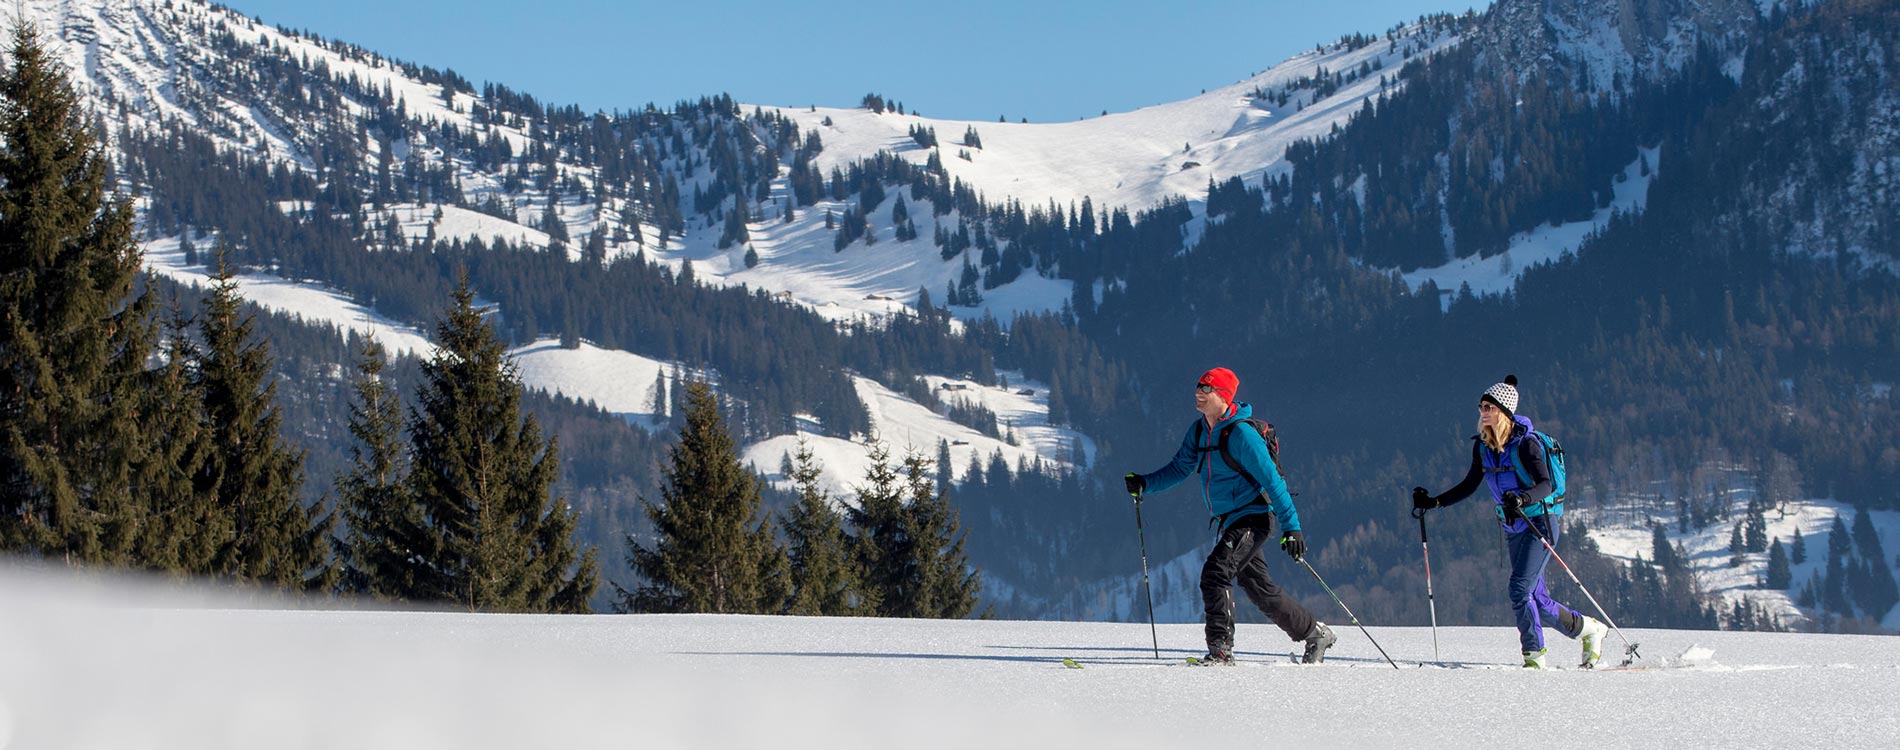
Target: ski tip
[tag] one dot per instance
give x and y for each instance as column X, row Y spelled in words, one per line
column 1070, row 663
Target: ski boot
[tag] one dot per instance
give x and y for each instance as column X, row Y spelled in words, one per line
column 1317, row 642
column 1592, row 639
column 1217, row 656
column 1535, row 659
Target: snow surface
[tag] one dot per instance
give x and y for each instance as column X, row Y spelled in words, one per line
column 88, row 662
column 1544, row 244
column 616, row 382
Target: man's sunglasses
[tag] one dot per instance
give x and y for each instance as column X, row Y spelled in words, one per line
column 1205, row 388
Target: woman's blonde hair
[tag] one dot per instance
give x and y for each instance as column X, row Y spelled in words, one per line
column 1494, row 429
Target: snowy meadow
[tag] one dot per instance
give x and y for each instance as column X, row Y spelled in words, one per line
column 93, row 663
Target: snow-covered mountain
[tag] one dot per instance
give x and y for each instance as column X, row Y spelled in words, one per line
column 152, row 63
column 146, row 63
column 93, row 664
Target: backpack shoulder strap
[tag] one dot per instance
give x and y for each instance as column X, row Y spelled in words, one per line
column 1228, row 456
column 1543, row 444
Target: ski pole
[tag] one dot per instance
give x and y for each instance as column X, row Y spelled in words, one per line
column 1431, row 599
column 1342, row 605
column 1629, row 649
column 1141, row 538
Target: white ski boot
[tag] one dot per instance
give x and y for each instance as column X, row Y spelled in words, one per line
column 1592, row 639
column 1535, row 659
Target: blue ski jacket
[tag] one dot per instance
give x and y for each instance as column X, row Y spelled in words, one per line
column 1224, row 491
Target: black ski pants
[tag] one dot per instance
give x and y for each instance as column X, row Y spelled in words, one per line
column 1237, row 555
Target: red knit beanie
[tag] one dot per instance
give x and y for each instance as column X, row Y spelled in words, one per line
column 1223, row 380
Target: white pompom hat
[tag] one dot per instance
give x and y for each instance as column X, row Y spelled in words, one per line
column 1504, row 395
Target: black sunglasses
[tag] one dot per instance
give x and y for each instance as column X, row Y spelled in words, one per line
column 1205, row 388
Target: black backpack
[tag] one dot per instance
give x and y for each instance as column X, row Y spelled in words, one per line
column 1268, row 434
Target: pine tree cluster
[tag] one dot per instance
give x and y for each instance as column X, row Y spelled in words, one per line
column 899, row 552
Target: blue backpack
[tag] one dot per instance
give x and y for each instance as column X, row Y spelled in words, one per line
column 1554, row 458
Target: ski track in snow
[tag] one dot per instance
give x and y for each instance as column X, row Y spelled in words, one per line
column 90, row 663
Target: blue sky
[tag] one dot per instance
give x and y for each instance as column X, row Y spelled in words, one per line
column 1046, row 60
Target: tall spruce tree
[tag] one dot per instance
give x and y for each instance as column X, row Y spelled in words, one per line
column 945, row 586
column 185, row 528
column 1779, row 575
column 74, row 335
column 385, row 538
column 257, row 478
column 881, row 542
column 715, row 551
column 483, row 477
column 824, row 576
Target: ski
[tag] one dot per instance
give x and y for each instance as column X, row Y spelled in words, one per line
column 1070, row 663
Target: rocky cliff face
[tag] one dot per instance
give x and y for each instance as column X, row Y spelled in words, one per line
column 1602, row 44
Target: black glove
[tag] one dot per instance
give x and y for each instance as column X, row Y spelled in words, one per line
column 1294, row 543
column 1422, row 500
column 1136, row 485
column 1513, row 504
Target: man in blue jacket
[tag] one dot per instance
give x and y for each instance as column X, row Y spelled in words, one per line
column 1243, row 504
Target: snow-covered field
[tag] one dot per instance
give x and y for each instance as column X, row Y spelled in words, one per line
column 87, row 663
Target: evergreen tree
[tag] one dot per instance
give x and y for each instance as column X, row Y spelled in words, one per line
column 1755, row 527
column 1834, row 587
column 944, row 584
column 1661, row 553
column 881, row 541
column 1866, row 539
column 1798, row 549
column 74, row 335
column 1779, row 576
column 824, row 576
column 657, row 400
column 715, row 551
column 1839, row 544
column 184, row 526
column 385, row 536
column 258, row 479
column 1736, row 546
column 483, row 477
